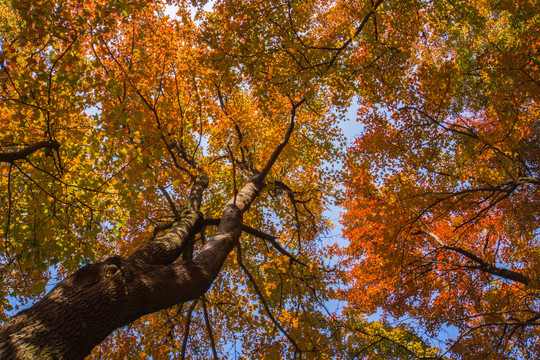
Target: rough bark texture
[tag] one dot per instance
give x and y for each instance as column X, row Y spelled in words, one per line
column 83, row 309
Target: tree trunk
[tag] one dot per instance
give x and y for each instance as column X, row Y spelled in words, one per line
column 83, row 309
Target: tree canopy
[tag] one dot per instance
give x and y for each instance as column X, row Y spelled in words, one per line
column 173, row 162
column 443, row 185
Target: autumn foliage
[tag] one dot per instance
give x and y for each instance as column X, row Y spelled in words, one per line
column 442, row 192
column 111, row 111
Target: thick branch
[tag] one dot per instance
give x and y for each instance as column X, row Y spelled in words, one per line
column 168, row 247
column 481, row 263
column 13, row 156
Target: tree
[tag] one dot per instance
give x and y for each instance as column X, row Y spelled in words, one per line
column 148, row 157
column 443, row 185
column 129, row 134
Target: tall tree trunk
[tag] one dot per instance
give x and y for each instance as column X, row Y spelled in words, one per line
column 83, row 309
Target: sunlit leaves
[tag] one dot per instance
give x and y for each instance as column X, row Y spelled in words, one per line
column 442, row 208
column 141, row 102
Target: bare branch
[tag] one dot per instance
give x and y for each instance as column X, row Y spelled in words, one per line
column 186, row 330
column 261, row 297
column 209, row 328
column 481, row 263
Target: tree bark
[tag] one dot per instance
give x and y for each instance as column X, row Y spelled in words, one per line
column 83, row 309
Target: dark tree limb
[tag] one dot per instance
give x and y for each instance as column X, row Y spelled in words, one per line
column 12, row 156
column 263, row 301
column 186, row 330
column 209, row 328
column 171, row 202
column 84, row 308
column 479, row 263
column 355, row 35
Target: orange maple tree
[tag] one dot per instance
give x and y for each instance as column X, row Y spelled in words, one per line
column 171, row 162
column 151, row 150
column 442, row 199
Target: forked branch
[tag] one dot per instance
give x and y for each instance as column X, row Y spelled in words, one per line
column 261, row 235
column 186, row 330
column 168, row 247
column 259, row 178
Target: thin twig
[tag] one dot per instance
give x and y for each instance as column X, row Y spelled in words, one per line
column 186, row 330
column 261, row 298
